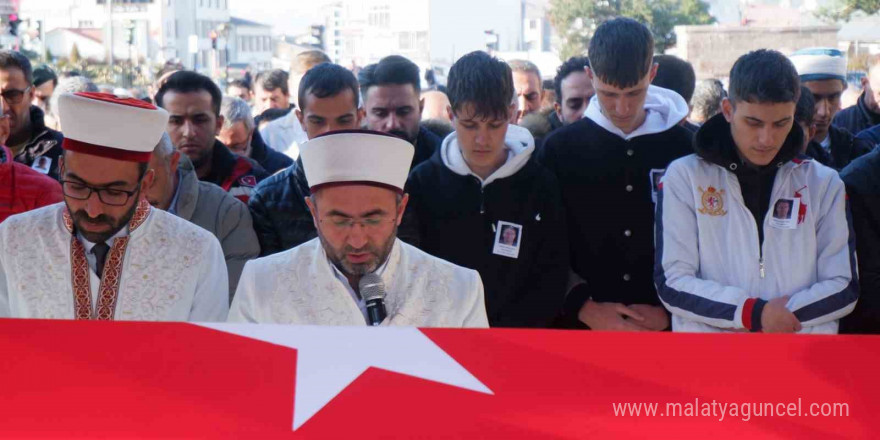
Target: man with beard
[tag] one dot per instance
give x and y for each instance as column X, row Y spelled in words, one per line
column 357, row 202
column 391, row 91
column 193, row 102
column 823, row 71
column 328, row 96
column 105, row 253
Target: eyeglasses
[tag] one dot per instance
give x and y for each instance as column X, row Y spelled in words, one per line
column 345, row 224
column 14, row 96
column 112, row 197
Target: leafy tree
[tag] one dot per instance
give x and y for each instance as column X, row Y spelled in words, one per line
column 844, row 9
column 576, row 20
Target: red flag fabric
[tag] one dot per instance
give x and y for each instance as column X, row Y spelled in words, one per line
column 66, row 379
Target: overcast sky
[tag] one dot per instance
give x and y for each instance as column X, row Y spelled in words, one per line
column 287, row 16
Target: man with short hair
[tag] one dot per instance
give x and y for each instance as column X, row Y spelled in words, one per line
column 390, row 91
column 706, row 101
column 803, row 117
column 271, row 91
column 177, row 190
column 193, row 102
column 574, row 90
column 240, row 89
column 866, row 113
column 483, row 182
column 356, row 201
column 678, row 75
column 106, row 254
column 607, row 164
column 529, row 91
column 286, row 134
column 45, row 81
column 239, row 134
column 24, row 188
column 328, row 97
column 823, row 71
column 724, row 263
column 29, row 138
column 72, row 84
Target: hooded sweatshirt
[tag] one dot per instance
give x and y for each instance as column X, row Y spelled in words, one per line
column 459, row 218
column 721, row 256
column 608, row 182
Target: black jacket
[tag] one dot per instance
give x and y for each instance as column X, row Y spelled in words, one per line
column 714, row 143
column 426, row 145
column 862, row 179
column 271, row 160
column 457, row 221
column 844, row 148
column 282, row 218
column 856, row 118
column 870, row 135
column 235, row 174
column 44, row 142
column 607, row 194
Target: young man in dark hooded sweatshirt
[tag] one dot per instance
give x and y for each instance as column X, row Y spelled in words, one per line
column 483, row 202
column 608, row 164
column 730, row 256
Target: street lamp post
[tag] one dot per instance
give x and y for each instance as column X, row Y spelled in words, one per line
column 223, row 31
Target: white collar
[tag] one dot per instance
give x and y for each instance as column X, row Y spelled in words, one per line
column 88, row 245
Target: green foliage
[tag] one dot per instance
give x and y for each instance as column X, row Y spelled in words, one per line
column 844, row 9
column 576, row 20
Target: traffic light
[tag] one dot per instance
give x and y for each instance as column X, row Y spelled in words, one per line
column 14, row 21
column 214, row 40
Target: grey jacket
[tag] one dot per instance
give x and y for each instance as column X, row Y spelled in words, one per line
column 213, row 209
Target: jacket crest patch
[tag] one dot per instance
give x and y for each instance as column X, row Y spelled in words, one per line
column 712, row 201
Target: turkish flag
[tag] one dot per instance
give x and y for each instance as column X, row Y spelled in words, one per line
column 67, row 379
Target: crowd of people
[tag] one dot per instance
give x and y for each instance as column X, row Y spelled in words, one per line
column 624, row 195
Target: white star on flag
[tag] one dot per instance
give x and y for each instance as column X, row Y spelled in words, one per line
column 329, row 359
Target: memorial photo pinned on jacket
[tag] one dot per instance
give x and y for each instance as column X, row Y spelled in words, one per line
column 508, row 237
column 783, row 213
column 42, row 164
column 655, row 175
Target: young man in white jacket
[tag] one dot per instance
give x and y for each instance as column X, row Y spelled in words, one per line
column 751, row 235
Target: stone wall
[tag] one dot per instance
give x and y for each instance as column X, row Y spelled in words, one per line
column 712, row 49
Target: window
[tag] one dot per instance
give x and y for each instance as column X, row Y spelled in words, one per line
column 380, row 16
column 533, row 24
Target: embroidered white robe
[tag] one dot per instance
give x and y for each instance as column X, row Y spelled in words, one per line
column 298, row 286
column 172, row 270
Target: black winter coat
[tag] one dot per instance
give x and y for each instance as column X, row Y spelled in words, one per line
column 458, row 219
column 862, row 179
column 606, row 184
column 844, row 148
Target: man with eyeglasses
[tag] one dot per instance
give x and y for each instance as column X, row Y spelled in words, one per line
column 106, row 254
column 31, row 142
column 357, row 201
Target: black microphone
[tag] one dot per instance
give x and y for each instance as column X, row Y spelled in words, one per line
column 373, row 292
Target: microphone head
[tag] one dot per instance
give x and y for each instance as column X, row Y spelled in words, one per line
column 372, row 287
